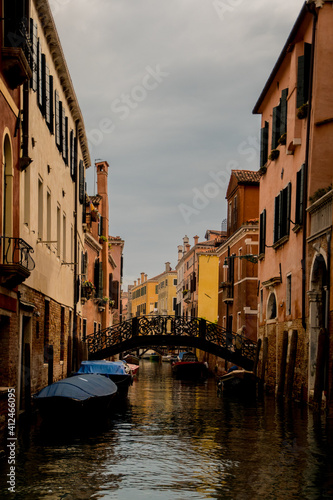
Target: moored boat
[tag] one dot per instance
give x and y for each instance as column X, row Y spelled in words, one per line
column 118, row 371
column 131, row 359
column 80, row 395
column 155, row 356
column 188, row 367
column 238, row 382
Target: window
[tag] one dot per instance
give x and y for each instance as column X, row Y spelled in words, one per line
column 72, row 153
column 264, row 145
column 174, row 304
column 57, row 118
column 58, row 230
column 279, row 121
column 40, row 209
column 175, row 281
column 49, row 100
column 299, row 196
column 81, row 182
column 34, row 41
column 235, row 213
column 262, row 232
column 303, row 76
column 271, row 307
column 288, row 295
column 98, row 281
column 48, row 216
column 27, row 196
column 282, row 213
column 42, row 85
column 65, row 138
column 84, row 329
column 261, row 303
column 64, row 239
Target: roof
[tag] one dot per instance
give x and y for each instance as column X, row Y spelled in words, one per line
column 246, row 176
column 282, row 56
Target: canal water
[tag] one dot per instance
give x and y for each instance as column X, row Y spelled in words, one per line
column 177, row 440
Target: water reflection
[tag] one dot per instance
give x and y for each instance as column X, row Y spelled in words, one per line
column 175, row 440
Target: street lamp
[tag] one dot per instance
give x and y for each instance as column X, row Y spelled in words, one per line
column 250, row 257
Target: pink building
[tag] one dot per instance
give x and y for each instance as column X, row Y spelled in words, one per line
column 296, row 106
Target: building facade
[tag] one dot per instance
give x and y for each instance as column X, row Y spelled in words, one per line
column 166, row 291
column 295, row 305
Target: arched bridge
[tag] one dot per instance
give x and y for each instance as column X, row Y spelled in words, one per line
column 173, row 331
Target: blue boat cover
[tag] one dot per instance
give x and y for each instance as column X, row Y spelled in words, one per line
column 79, row 387
column 103, row 367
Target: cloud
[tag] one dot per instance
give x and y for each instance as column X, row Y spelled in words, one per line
column 197, row 119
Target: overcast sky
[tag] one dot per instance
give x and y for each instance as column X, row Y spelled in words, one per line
column 167, row 91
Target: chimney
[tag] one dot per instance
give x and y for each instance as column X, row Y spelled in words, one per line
column 188, row 247
column 185, row 241
column 196, row 239
column 167, row 267
column 146, row 277
column 134, row 283
column 142, row 277
column 138, row 281
column 102, row 168
column 180, row 252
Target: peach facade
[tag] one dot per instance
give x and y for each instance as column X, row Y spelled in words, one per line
column 296, row 106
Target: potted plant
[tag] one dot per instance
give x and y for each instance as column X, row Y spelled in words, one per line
column 111, row 303
column 274, row 154
column 103, row 239
column 282, row 140
column 302, row 111
column 88, row 289
column 262, row 170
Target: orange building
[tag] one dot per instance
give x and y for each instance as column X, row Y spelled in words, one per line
column 296, row 108
column 101, row 272
column 238, row 268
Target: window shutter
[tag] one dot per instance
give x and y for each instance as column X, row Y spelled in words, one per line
column 262, row 229
column 110, row 285
column 264, row 145
column 288, row 195
column 47, row 96
column 299, row 196
column 39, row 74
column 72, row 155
column 283, row 107
column 276, row 126
column 115, row 293
column 65, row 138
column 42, row 85
column 100, row 280
column 303, row 75
column 276, row 218
column 33, row 64
column 81, row 182
column 57, row 118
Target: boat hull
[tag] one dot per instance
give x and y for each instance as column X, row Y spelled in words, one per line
column 189, row 370
column 239, row 382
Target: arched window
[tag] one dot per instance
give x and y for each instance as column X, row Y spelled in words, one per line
column 271, row 306
column 7, row 190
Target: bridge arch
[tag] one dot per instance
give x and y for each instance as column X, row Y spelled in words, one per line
column 173, row 331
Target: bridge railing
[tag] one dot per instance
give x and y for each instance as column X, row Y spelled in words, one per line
column 152, row 325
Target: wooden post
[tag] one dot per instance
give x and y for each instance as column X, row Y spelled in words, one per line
column 320, row 365
column 69, row 356
column 256, row 358
column 282, row 375
column 27, row 378
column 264, row 360
column 291, row 365
column 50, row 365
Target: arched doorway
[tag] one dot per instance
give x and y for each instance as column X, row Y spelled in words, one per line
column 317, row 312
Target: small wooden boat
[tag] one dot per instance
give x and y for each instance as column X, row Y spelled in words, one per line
column 134, row 369
column 118, row 371
column 77, row 396
column 131, row 359
column 188, row 367
column 237, row 382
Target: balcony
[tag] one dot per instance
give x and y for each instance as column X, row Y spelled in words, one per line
column 17, row 263
column 321, row 215
column 227, row 292
column 187, row 296
column 15, row 66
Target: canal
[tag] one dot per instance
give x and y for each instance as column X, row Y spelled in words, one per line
column 177, row 440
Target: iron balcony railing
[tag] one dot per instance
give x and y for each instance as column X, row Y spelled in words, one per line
column 17, row 251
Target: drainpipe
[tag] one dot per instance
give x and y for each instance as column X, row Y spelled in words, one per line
column 312, row 9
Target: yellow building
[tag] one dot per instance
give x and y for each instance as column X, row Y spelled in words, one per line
column 167, row 291
column 144, row 296
column 208, row 276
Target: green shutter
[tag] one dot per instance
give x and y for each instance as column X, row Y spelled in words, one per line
column 276, row 126
column 33, row 64
column 283, row 107
column 81, row 182
column 276, row 219
column 303, row 76
column 264, row 145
